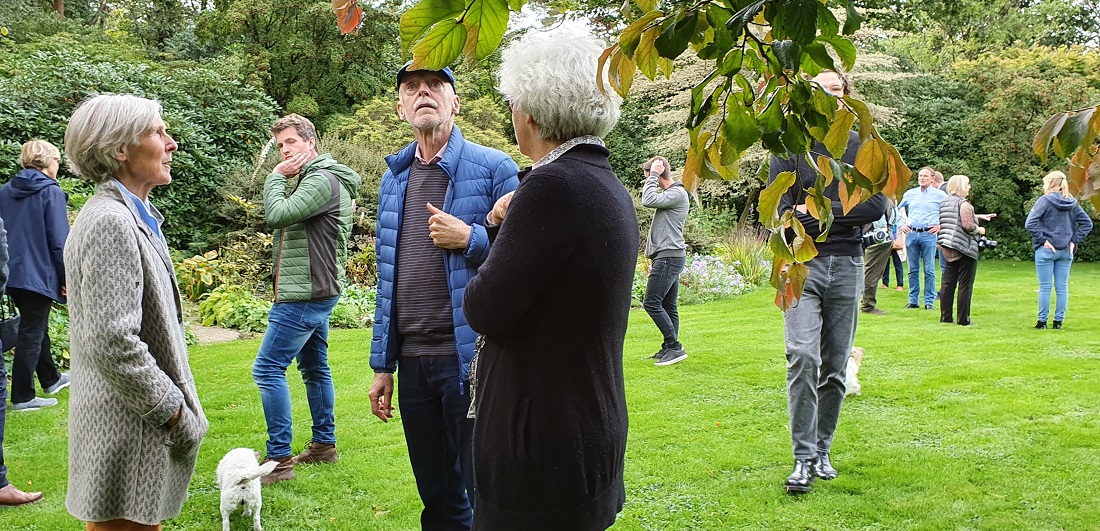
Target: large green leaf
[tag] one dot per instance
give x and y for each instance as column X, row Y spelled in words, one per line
column 739, row 126
column 864, row 114
column 853, row 20
column 795, row 138
column 827, row 23
column 646, row 5
column 425, row 14
column 797, row 20
column 439, row 47
column 676, row 34
column 819, row 56
column 516, row 5
column 740, row 20
column 485, row 22
column 844, row 49
column 788, row 53
column 1073, row 131
column 836, row 140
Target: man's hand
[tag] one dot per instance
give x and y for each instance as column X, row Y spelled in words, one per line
column 801, row 209
column 657, row 167
column 380, row 395
column 500, row 209
column 290, row 167
column 934, row 229
column 447, row 231
column 1050, row 246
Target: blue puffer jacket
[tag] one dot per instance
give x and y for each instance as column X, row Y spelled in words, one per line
column 479, row 176
column 35, row 213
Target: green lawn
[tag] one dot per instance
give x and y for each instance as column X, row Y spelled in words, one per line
column 995, row 426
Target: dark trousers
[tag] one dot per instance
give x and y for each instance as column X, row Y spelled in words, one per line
column 3, row 421
column 958, row 273
column 875, row 260
column 899, row 271
column 433, row 404
column 660, row 298
column 32, row 346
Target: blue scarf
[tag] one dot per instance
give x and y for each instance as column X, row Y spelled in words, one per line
column 142, row 208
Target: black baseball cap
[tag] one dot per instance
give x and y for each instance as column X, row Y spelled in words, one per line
column 446, row 72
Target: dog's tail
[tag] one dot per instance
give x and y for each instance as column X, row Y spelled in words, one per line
column 259, row 472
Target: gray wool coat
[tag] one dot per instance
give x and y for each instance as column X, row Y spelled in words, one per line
column 130, row 371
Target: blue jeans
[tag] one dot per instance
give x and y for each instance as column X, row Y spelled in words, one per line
column 3, row 420
column 818, row 334
column 1053, row 265
column 660, row 298
column 921, row 248
column 296, row 330
column 433, row 404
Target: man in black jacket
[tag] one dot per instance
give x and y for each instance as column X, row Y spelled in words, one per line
column 819, row 330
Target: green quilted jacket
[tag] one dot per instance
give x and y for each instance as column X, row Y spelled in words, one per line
column 312, row 226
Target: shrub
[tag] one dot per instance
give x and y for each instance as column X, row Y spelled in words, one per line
column 232, row 306
column 747, row 250
column 708, row 278
column 355, row 309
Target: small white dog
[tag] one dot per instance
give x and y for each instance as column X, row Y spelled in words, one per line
column 851, row 377
column 239, row 476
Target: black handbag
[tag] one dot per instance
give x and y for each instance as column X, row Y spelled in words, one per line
column 9, row 323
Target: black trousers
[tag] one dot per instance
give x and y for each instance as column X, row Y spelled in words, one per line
column 959, row 273
column 32, row 346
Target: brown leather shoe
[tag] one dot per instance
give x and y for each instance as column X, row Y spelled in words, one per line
column 13, row 497
column 283, row 471
column 317, row 453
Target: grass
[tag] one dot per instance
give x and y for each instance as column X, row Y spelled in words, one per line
column 994, row 426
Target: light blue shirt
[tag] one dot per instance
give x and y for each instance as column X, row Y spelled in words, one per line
column 923, row 206
column 143, row 208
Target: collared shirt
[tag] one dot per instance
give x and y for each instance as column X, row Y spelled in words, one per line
column 143, row 208
column 923, row 206
column 566, row 146
column 434, row 160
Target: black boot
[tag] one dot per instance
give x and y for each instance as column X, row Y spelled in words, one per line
column 1042, row 325
column 801, row 480
column 1057, row 325
column 824, row 469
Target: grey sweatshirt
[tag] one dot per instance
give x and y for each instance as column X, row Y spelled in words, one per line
column 666, row 234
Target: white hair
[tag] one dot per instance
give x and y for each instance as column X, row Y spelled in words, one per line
column 553, row 79
column 103, row 125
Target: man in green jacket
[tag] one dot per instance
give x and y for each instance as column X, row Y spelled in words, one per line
column 312, row 224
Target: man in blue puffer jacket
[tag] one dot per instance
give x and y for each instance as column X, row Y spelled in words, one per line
column 432, row 210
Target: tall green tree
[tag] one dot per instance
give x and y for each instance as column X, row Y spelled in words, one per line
column 294, row 50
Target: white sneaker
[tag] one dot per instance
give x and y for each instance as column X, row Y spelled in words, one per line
column 31, row 405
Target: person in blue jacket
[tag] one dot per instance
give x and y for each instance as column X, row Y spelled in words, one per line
column 431, row 237
column 1057, row 225
column 35, row 211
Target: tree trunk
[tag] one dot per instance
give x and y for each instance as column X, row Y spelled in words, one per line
column 59, row 6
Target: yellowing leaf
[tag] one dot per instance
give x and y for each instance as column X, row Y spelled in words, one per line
column 836, row 141
column 1046, row 133
column 864, row 114
column 631, row 36
column 848, row 193
column 348, row 15
column 646, row 5
column 769, row 198
column 621, row 72
column 804, row 248
column 900, row 174
column 871, row 160
column 646, row 54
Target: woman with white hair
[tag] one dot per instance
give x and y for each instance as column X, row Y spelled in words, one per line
column 135, row 423
column 552, row 302
column 36, row 209
column 958, row 241
column 1057, row 225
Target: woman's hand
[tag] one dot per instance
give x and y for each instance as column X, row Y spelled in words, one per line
column 175, row 418
column 1072, row 248
column 1050, row 246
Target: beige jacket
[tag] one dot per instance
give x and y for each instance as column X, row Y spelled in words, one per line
column 130, row 370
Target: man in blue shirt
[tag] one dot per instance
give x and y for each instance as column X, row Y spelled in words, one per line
column 922, row 206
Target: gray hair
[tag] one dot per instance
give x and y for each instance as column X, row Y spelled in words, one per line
column 100, row 127
column 553, row 79
column 957, row 183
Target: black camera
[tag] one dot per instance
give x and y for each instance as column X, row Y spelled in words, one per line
column 986, row 243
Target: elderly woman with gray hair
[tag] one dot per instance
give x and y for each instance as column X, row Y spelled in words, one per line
column 958, row 241
column 552, row 302
column 135, row 423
